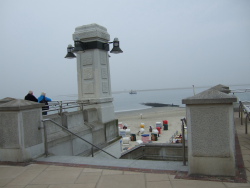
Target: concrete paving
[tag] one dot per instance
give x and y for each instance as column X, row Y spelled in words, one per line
column 119, row 163
column 57, row 172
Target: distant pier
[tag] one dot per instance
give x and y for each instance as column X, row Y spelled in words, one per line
column 159, row 104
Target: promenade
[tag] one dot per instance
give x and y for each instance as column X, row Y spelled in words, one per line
column 51, row 174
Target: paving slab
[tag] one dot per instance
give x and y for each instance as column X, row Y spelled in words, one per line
column 196, row 183
column 122, row 181
column 117, row 163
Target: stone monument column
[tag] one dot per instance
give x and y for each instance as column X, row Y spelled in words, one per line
column 93, row 70
column 211, row 133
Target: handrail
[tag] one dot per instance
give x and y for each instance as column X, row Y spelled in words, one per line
column 244, row 109
column 62, row 105
column 59, row 106
column 45, row 135
column 184, row 121
column 67, row 104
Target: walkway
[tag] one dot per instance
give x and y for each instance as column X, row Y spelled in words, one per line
column 123, row 174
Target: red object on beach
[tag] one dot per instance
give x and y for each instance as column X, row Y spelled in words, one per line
column 159, row 129
column 165, row 122
column 121, row 126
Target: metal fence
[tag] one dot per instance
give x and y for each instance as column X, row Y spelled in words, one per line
column 244, row 108
column 63, row 106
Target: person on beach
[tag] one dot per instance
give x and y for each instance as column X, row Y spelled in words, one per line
column 45, row 100
column 30, row 97
column 150, row 129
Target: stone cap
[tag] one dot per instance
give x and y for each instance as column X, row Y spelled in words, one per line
column 91, row 32
column 222, row 88
column 6, row 99
column 19, row 104
column 210, row 96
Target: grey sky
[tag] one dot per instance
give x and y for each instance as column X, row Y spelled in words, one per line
column 166, row 43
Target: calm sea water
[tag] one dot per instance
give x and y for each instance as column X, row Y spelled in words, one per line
column 127, row 102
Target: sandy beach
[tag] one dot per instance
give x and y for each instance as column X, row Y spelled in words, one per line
column 149, row 117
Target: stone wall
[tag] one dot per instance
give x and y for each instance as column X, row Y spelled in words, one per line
column 22, row 136
column 62, row 143
column 20, row 139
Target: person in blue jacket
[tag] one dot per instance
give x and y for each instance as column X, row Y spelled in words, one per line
column 45, row 100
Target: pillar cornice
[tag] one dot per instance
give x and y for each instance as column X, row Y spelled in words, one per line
column 91, row 32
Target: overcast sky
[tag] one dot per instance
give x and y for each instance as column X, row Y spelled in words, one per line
column 166, row 43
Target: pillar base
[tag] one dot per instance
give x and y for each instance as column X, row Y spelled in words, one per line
column 211, row 166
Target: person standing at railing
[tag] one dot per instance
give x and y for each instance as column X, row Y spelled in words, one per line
column 30, row 97
column 45, row 100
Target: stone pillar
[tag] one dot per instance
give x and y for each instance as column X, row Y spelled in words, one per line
column 93, row 71
column 20, row 139
column 211, row 133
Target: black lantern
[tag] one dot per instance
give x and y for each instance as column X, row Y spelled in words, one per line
column 116, row 47
column 70, row 54
column 82, row 46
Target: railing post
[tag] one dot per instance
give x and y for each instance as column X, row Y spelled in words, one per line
column 241, row 113
column 183, row 142
column 45, row 139
column 60, row 106
column 239, row 108
column 92, row 151
column 246, row 124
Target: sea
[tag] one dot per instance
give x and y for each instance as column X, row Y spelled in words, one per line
column 123, row 101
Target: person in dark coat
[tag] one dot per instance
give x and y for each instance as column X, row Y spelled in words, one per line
column 31, row 97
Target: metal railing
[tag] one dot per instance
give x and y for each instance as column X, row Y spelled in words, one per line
column 60, row 106
column 171, row 140
column 67, row 130
column 184, row 122
column 69, row 105
column 244, row 108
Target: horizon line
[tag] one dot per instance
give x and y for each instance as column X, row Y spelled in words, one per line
column 174, row 88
